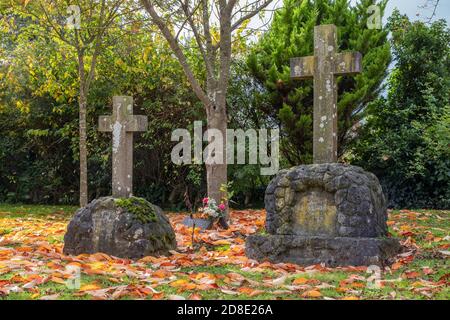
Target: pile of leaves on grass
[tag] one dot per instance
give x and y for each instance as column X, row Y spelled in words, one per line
column 32, row 265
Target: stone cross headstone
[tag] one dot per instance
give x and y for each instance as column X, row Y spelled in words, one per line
column 122, row 124
column 326, row 212
column 324, row 66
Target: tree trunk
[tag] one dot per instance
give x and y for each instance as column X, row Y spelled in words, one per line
column 216, row 174
column 82, row 103
column 83, row 151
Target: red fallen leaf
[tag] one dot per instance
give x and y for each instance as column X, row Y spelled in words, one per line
column 146, row 291
column 427, row 271
column 407, row 234
column 357, row 269
column 358, row 285
column 158, row 296
column 411, row 274
column 314, row 282
column 4, row 283
column 445, row 277
column 167, row 264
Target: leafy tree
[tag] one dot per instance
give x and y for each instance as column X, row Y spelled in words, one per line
column 84, row 37
column 290, row 103
column 206, row 28
column 406, row 139
column 38, row 114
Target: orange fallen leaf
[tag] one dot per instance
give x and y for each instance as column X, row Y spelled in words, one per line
column 18, row 278
column 397, row 266
column 89, row 287
column 161, row 273
column 350, row 298
column 57, row 280
column 311, row 294
column 221, row 242
column 358, row 285
column 178, row 283
column 300, row 281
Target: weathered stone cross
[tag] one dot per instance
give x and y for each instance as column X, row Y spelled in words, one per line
column 122, row 124
column 324, row 66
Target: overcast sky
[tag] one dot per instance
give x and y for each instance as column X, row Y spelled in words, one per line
column 409, row 7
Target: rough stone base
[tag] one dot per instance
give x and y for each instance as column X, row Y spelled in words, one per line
column 133, row 228
column 333, row 252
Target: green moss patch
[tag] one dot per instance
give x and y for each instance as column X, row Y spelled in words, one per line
column 140, row 208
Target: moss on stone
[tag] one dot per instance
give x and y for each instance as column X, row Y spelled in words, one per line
column 140, row 208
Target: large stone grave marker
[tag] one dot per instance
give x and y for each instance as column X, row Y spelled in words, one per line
column 326, row 212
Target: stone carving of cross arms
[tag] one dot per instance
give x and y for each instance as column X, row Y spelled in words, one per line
column 324, row 67
column 122, row 124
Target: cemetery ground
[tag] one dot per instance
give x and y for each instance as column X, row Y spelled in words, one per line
column 32, row 265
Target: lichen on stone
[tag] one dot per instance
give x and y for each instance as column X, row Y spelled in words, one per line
column 139, row 207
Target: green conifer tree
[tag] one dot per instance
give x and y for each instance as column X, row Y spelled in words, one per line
column 405, row 140
column 290, row 102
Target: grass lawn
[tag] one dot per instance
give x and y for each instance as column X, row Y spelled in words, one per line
column 32, row 265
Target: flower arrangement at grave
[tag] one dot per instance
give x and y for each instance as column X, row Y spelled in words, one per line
column 211, row 210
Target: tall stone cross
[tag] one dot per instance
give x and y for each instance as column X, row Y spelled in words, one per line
column 122, row 124
column 324, row 67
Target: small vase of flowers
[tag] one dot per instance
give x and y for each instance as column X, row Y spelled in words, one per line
column 212, row 211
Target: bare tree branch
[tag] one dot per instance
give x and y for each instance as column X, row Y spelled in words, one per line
column 177, row 51
column 430, row 4
column 250, row 14
column 205, row 53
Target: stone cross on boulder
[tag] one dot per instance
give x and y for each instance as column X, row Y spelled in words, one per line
column 122, row 225
column 324, row 66
column 122, row 124
column 327, row 212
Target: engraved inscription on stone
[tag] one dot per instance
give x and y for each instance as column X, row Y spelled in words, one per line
column 315, row 214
